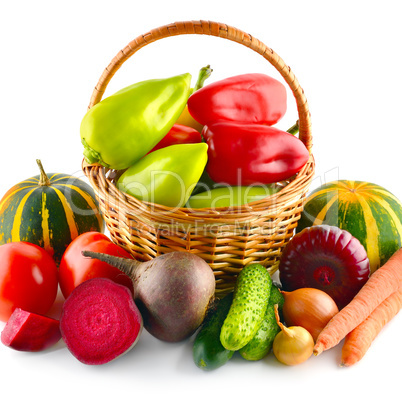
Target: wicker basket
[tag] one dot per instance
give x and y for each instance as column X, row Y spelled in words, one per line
column 226, row 238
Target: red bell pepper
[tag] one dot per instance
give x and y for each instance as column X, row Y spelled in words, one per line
column 179, row 134
column 250, row 154
column 253, row 98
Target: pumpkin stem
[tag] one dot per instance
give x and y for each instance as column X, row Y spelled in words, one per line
column 43, row 180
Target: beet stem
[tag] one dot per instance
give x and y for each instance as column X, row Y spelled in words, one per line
column 125, row 265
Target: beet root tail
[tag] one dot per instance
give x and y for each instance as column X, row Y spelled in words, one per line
column 125, row 265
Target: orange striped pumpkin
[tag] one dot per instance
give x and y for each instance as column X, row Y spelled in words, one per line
column 368, row 211
column 50, row 211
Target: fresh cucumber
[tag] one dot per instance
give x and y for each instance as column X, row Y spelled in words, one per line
column 208, row 352
column 250, row 300
column 262, row 342
column 276, row 297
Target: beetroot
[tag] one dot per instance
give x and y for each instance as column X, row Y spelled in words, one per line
column 326, row 258
column 30, row 332
column 172, row 291
column 100, row 321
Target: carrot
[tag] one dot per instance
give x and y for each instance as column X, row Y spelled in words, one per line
column 359, row 340
column 381, row 284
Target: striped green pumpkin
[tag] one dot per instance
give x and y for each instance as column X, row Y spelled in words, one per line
column 367, row 211
column 50, row 211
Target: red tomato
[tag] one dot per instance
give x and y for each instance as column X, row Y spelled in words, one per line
column 28, row 279
column 75, row 268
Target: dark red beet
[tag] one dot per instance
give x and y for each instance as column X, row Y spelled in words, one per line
column 29, row 332
column 327, row 258
column 100, row 321
column 173, row 291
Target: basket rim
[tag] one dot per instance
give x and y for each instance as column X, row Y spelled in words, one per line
column 102, row 185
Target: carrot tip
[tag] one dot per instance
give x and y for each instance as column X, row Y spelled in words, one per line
column 317, row 350
column 346, row 363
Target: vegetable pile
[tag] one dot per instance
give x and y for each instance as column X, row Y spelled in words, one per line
column 231, row 140
column 367, row 211
column 173, row 291
column 383, row 284
column 243, row 321
column 212, row 146
column 49, row 210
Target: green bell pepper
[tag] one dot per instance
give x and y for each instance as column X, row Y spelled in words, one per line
column 230, row 196
column 122, row 128
column 166, row 176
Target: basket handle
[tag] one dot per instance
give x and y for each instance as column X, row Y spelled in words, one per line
column 222, row 31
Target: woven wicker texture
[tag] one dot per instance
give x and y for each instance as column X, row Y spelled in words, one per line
column 227, row 238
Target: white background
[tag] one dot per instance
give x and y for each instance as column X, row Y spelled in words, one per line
column 347, row 57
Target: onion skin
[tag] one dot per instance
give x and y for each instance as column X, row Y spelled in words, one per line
column 309, row 308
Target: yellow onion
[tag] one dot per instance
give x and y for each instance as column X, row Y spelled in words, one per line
column 309, row 308
column 292, row 345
